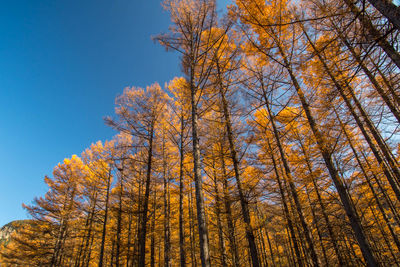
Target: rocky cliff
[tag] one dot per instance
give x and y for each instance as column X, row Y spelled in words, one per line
column 8, row 229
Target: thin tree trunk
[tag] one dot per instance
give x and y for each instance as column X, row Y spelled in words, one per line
column 374, row 34
column 348, row 206
column 135, row 260
column 104, row 230
column 370, row 76
column 376, row 197
column 288, row 251
column 389, row 10
column 90, row 251
column 228, row 211
column 292, row 186
column 271, row 251
column 192, row 230
column 153, row 228
column 219, row 223
column 57, row 247
column 243, row 202
column 119, row 223
column 389, row 85
column 181, row 189
column 143, row 224
column 392, row 162
column 317, row 226
column 89, row 230
column 57, row 252
column 286, row 209
column 128, row 245
column 383, row 191
column 323, row 208
column 167, row 233
column 201, row 214
column 384, row 235
column 82, row 243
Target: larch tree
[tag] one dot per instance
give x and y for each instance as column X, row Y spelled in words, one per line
column 279, row 146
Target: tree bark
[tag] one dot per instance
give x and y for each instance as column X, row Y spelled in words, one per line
column 389, row 157
column 217, row 205
column 167, row 233
column 374, row 34
column 371, row 77
column 243, row 201
column 286, row 210
column 143, row 224
column 323, row 207
column 181, row 189
column 376, row 197
column 201, row 214
column 104, row 231
column 389, row 10
column 228, row 211
column 347, row 204
column 292, row 186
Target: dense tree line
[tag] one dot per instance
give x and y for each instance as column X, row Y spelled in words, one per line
column 278, row 147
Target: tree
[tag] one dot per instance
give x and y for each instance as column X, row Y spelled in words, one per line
column 191, row 19
column 139, row 112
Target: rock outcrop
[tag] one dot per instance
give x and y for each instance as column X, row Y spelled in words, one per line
column 8, row 229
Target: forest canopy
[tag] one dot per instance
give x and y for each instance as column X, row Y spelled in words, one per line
column 278, row 146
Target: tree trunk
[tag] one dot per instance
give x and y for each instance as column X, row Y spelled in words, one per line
column 243, row 201
column 228, row 211
column 217, row 205
column 374, row 34
column 153, row 228
column 347, row 204
column 201, row 214
column 389, row 157
column 383, row 191
column 167, row 233
column 317, row 226
column 192, row 229
column 389, row 10
column 376, row 197
column 143, row 224
column 271, row 251
column 292, row 186
column 128, row 245
column 286, row 210
column 104, row 230
column 119, row 224
column 181, row 189
column 370, row 76
column 323, row 208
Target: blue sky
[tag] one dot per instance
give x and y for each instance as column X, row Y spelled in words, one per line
column 62, row 65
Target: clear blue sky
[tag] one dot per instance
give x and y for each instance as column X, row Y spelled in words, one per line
column 62, row 63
